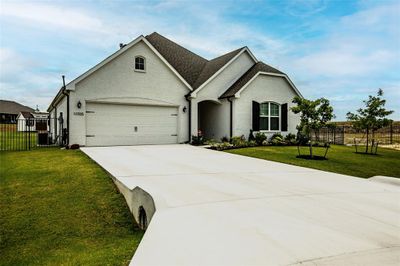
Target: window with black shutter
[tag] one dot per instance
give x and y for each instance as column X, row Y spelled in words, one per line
column 284, row 117
column 256, row 116
column 269, row 116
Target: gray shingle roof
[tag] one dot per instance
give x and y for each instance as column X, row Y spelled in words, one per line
column 11, row 107
column 260, row 66
column 192, row 67
column 27, row 114
column 185, row 62
column 213, row 66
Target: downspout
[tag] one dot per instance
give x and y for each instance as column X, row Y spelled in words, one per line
column 187, row 97
column 53, row 108
column 55, row 123
column 230, row 118
column 66, row 94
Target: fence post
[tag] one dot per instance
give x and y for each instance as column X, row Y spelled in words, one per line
column 24, row 131
column 334, row 135
column 29, row 133
column 391, row 133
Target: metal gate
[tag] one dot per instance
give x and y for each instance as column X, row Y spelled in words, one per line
column 29, row 133
column 326, row 134
column 348, row 134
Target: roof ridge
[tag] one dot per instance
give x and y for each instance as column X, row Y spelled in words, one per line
column 236, row 50
column 270, row 66
column 162, row 36
column 185, row 62
column 203, row 76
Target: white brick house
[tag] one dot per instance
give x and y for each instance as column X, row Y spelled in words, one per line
column 153, row 91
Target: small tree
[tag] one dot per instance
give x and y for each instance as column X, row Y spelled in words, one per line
column 371, row 118
column 313, row 115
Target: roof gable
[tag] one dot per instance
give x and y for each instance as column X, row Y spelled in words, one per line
column 25, row 115
column 188, row 64
column 212, row 66
column 247, row 77
column 195, row 69
column 71, row 85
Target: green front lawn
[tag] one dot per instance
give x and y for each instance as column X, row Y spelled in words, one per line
column 59, row 207
column 341, row 159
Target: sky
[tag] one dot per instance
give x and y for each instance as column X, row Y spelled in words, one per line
column 340, row 50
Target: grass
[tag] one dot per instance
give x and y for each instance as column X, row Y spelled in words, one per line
column 57, row 207
column 341, row 159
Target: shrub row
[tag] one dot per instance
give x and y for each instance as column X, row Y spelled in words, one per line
column 259, row 139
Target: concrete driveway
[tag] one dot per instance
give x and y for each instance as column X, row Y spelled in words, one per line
column 215, row 208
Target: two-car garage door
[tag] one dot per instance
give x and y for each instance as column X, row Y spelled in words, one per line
column 118, row 124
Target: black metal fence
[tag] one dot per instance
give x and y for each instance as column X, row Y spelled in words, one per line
column 332, row 135
column 26, row 134
column 348, row 135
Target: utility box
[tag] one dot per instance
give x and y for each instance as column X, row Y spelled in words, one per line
column 43, row 138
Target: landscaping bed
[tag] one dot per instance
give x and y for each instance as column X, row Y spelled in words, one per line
column 59, row 207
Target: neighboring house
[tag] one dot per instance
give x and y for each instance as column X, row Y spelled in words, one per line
column 32, row 121
column 153, row 91
column 9, row 111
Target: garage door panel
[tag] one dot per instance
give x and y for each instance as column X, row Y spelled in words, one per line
column 111, row 124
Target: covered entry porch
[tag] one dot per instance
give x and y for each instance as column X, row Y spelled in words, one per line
column 212, row 119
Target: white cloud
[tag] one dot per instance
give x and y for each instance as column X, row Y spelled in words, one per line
column 305, row 8
column 346, row 62
column 12, row 63
column 360, row 44
column 46, row 15
column 19, row 81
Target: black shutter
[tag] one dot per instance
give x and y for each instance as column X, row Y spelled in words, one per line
column 284, row 114
column 256, row 116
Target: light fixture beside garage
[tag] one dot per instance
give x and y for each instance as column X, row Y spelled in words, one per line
column 184, row 109
column 79, row 105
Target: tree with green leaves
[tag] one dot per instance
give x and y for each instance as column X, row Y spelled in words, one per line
column 313, row 116
column 371, row 118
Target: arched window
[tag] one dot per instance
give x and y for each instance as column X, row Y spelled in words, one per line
column 269, row 116
column 140, row 63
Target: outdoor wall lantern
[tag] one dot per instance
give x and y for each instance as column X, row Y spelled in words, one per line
column 184, row 109
column 79, row 105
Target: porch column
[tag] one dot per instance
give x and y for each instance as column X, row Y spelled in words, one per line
column 194, row 117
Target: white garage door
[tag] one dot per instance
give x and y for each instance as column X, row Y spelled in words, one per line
column 115, row 124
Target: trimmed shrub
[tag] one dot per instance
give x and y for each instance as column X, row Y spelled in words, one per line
column 290, row 139
column 265, row 143
column 224, row 139
column 197, row 140
column 252, row 143
column 221, row 146
column 239, row 142
column 210, row 142
column 251, row 136
column 260, row 137
column 277, row 139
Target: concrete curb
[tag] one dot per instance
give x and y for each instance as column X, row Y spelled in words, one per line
column 385, row 179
